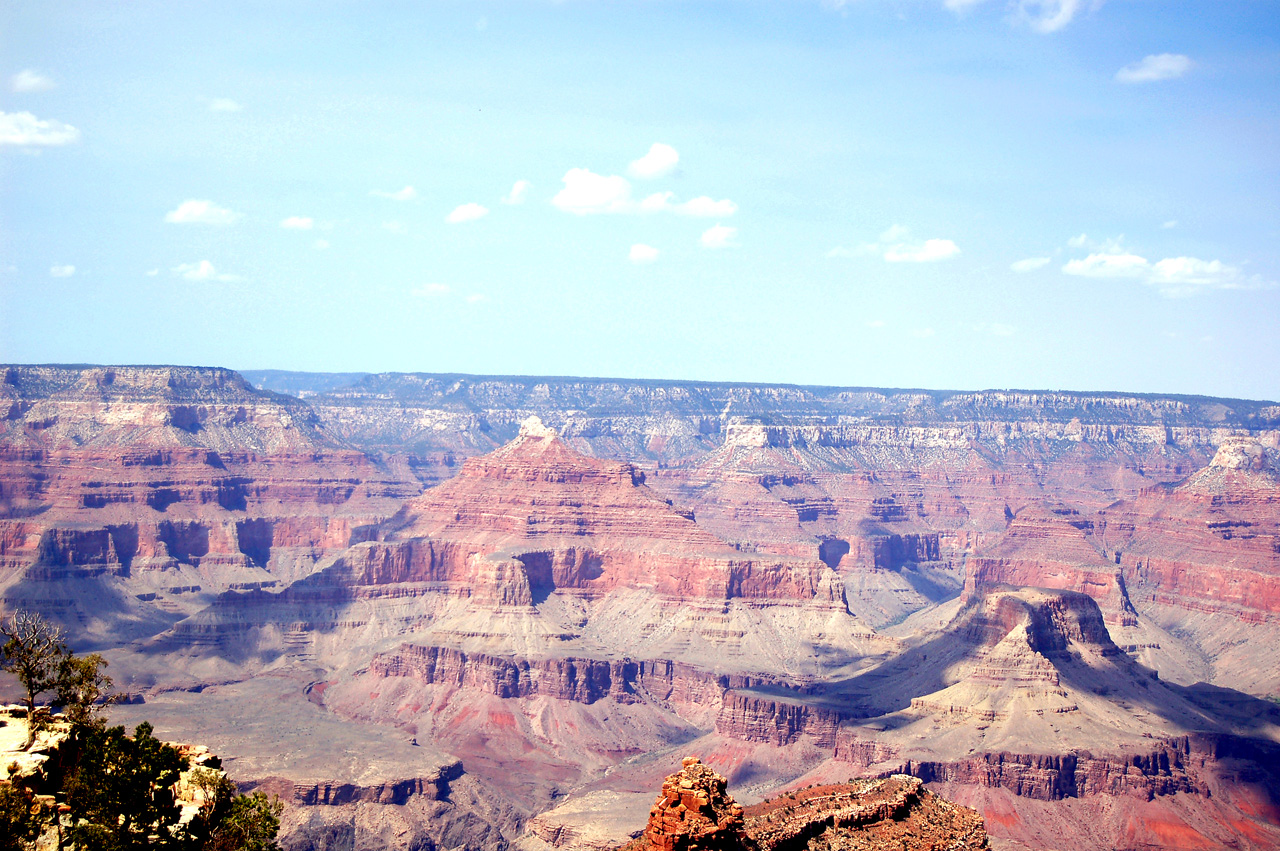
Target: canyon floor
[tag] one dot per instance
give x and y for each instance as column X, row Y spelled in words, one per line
column 481, row 612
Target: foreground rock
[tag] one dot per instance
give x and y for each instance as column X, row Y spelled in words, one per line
column 695, row 813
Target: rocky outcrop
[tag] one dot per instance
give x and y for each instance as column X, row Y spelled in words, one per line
column 694, row 811
column 894, row 813
column 431, row 787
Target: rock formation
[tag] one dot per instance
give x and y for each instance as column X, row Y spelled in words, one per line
column 695, row 812
column 1042, row 603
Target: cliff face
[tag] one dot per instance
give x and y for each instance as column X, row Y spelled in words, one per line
column 149, row 491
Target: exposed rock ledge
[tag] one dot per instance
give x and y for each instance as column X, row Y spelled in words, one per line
column 433, row 787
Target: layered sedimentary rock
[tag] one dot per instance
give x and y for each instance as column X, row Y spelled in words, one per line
column 132, row 496
column 664, row 563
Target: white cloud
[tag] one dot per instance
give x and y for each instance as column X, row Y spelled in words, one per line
column 896, row 247
column 476, row 298
column 1173, row 276
column 922, row 333
column 707, row 207
column 23, row 128
column 1030, row 264
column 659, row 162
column 395, row 227
column 875, row 323
column 1169, row 225
column 1078, row 241
column 431, row 290
column 224, row 105
column 701, row 206
column 519, row 190
column 151, row 273
column 28, row 80
column 406, row 194
column 1100, row 265
column 193, row 211
column 201, row 270
column 999, row 329
column 320, row 245
column 468, row 212
column 1194, row 272
column 62, row 271
column 298, row 223
column 586, row 192
column 641, row 253
column 720, row 236
column 1154, row 68
column 927, row 252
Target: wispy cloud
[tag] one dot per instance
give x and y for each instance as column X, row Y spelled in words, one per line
column 468, row 212
column 195, row 211
column 24, row 129
column 928, row 251
column 320, row 245
column 477, row 298
column 519, row 190
column 1155, row 68
column 395, row 227
column 62, row 271
column 660, row 161
column 1030, row 264
column 1043, row 16
column 719, row 236
column 1169, row 225
column 641, row 253
column 224, row 105
column 201, row 270
column 29, row 80
column 701, row 206
column 431, row 290
column 896, row 246
column 1048, row 16
column 406, row 194
column 922, row 333
column 298, row 223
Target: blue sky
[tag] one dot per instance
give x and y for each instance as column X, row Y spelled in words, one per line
column 1056, row 194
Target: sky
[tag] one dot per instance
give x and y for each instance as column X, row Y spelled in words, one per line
column 947, row 194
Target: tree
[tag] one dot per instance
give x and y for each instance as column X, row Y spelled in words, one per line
column 83, row 688
column 120, row 791
column 231, row 822
column 34, row 652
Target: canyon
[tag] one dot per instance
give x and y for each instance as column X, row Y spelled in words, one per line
column 463, row 611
